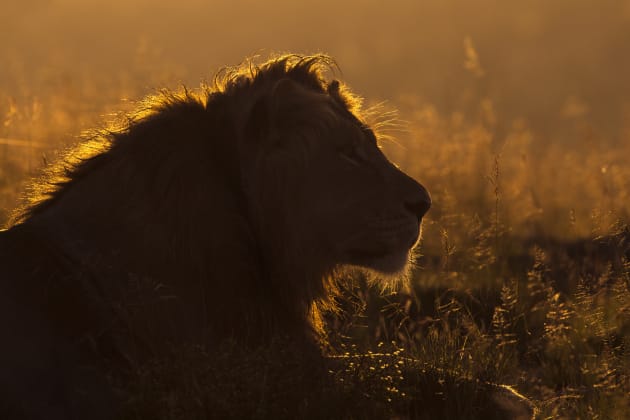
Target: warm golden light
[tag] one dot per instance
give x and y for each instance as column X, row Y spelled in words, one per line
column 514, row 115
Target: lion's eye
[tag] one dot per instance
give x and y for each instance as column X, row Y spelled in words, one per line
column 349, row 153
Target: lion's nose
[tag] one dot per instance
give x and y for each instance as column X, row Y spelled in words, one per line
column 419, row 202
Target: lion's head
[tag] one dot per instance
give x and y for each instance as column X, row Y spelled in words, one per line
column 317, row 181
column 241, row 201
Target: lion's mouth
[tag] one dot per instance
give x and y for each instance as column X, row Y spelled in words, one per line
column 401, row 232
column 385, row 245
column 390, row 262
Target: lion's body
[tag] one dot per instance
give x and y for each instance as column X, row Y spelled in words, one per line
column 223, row 215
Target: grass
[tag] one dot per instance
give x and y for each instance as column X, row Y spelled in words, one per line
column 519, row 306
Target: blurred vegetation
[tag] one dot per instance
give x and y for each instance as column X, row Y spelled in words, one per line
column 515, row 115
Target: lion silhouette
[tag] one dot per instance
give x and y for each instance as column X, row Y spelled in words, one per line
column 222, row 214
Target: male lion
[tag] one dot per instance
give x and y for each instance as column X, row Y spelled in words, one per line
column 225, row 214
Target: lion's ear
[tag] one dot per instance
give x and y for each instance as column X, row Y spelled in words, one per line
column 341, row 96
column 274, row 114
column 294, row 107
column 261, row 127
column 283, row 111
column 286, row 91
column 258, row 126
column 333, row 88
column 289, row 102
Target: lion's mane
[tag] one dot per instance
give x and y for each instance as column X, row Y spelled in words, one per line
column 161, row 203
column 223, row 213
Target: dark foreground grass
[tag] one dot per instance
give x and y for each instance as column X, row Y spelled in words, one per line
column 546, row 335
column 275, row 382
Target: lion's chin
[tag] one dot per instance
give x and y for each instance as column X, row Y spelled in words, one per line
column 393, row 263
column 390, row 263
column 388, row 255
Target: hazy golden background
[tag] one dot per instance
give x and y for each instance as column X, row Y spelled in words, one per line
column 543, row 85
column 514, row 114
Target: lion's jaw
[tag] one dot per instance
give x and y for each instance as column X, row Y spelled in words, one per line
column 388, row 248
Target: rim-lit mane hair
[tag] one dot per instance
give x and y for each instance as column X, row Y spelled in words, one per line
column 182, row 149
column 248, row 82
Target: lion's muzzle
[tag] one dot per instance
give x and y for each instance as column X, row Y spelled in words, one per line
column 418, row 202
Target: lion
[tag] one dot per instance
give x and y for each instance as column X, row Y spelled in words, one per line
column 225, row 213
